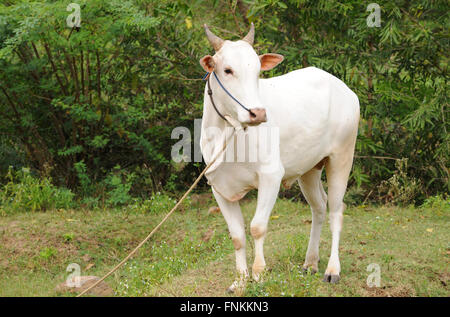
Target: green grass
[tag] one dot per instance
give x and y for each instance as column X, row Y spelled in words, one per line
column 192, row 254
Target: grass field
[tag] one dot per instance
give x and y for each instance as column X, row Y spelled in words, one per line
column 192, row 254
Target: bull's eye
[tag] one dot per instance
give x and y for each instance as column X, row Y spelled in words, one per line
column 228, row 71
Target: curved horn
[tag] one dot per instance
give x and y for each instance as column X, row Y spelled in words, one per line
column 250, row 37
column 215, row 41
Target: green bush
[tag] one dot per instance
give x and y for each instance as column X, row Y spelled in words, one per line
column 438, row 202
column 119, row 185
column 25, row 192
column 110, row 93
column 400, row 188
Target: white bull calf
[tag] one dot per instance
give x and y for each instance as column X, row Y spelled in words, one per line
column 316, row 116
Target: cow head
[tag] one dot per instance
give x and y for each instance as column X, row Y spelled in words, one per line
column 237, row 66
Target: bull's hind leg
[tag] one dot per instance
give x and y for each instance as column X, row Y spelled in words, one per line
column 231, row 211
column 312, row 189
column 338, row 170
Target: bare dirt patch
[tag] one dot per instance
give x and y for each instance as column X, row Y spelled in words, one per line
column 389, row 291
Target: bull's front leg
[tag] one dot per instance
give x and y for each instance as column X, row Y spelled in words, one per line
column 231, row 211
column 268, row 188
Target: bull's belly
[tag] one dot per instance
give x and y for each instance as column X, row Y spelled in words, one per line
column 234, row 180
column 298, row 163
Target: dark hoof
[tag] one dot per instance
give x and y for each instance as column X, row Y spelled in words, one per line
column 309, row 270
column 333, row 279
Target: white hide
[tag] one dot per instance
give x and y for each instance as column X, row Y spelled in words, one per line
column 316, row 114
column 316, row 117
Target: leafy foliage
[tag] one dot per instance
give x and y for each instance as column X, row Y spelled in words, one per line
column 84, row 100
column 400, row 188
column 25, row 192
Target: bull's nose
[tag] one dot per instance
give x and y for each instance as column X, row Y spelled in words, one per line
column 257, row 115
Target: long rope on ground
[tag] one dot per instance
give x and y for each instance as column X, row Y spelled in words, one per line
column 161, row 223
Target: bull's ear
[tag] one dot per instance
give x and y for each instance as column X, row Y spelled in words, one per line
column 207, row 63
column 270, row 60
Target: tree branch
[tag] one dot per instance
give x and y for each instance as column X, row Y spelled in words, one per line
column 55, row 70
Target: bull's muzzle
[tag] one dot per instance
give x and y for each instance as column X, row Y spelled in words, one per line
column 257, row 116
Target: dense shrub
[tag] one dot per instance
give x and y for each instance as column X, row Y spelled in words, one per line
column 109, row 94
column 25, row 192
column 400, row 188
column 438, row 202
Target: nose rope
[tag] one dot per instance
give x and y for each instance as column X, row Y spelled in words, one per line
column 207, row 76
column 212, row 100
column 228, row 93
